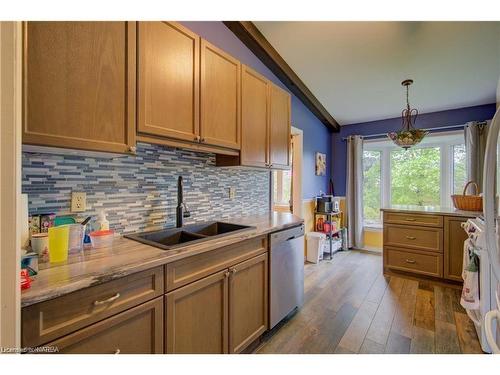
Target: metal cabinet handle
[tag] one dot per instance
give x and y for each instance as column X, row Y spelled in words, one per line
column 270, row 165
column 226, row 274
column 411, row 238
column 117, row 351
column 411, row 261
column 132, row 149
column 202, row 140
column 197, row 138
column 409, row 219
column 233, row 270
column 110, row 299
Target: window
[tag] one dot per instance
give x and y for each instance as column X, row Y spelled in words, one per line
column 372, row 190
column 416, row 176
column 282, row 183
column 425, row 175
column 459, row 171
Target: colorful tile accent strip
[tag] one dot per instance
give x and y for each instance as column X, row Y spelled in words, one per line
column 140, row 192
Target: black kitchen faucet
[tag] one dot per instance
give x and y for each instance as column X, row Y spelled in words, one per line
column 182, row 209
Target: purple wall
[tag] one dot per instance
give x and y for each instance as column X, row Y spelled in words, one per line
column 426, row 120
column 316, row 135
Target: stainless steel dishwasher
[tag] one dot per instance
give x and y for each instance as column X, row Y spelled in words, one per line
column 287, row 272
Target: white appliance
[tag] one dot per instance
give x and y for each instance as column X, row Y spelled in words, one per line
column 475, row 229
column 491, row 191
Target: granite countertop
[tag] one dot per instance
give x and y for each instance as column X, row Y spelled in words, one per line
column 438, row 210
column 126, row 256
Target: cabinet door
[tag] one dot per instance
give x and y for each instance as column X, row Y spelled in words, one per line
column 196, row 317
column 220, row 97
column 79, row 85
column 168, row 79
column 248, row 308
column 254, row 118
column 135, row 331
column 454, row 237
column 279, row 128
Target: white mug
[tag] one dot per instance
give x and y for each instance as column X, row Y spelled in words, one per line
column 40, row 245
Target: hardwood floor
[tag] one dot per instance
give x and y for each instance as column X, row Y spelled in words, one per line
column 350, row 307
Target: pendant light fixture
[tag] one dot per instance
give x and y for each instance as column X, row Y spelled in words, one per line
column 408, row 136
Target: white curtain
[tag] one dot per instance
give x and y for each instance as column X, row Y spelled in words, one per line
column 354, row 191
column 476, row 134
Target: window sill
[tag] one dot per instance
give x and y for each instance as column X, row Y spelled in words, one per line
column 373, row 228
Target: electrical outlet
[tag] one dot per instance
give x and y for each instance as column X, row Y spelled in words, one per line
column 78, row 201
column 232, row 193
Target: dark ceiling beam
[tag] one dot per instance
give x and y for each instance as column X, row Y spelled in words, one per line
column 248, row 33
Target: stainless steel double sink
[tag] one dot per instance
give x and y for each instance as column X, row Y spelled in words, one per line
column 175, row 238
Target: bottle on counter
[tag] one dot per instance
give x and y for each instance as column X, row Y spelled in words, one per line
column 102, row 222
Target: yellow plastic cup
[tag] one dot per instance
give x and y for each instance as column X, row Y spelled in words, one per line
column 58, row 243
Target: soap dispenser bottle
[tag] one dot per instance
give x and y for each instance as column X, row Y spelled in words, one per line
column 102, row 221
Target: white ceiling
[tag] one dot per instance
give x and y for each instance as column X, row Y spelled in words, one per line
column 355, row 69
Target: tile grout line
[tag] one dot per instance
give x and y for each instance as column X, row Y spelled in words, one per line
column 378, row 307
column 361, row 304
column 405, row 281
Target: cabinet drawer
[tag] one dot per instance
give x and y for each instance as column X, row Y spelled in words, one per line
column 135, row 331
column 193, row 268
column 412, row 237
column 413, row 219
column 49, row 320
column 423, row 263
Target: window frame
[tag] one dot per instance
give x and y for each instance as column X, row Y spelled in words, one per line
column 375, row 224
column 279, row 189
column 445, row 140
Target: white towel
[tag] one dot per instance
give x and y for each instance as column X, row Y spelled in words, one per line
column 470, row 291
column 466, row 257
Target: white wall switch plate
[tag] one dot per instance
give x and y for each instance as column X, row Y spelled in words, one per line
column 78, row 201
column 232, row 193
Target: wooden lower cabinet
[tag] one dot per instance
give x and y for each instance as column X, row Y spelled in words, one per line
column 248, row 313
column 135, row 331
column 221, row 313
column 222, row 308
column 421, row 262
column 49, row 320
column 413, row 237
column 454, row 237
column 196, row 316
column 424, row 244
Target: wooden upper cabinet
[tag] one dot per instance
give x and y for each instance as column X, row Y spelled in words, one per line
column 220, row 97
column 279, row 128
column 248, row 312
column 254, row 118
column 168, row 80
column 79, row 85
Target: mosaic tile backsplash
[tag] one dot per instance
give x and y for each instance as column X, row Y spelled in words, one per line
column 140, row 192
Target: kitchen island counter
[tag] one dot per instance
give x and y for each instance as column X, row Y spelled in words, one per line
column 125, row 256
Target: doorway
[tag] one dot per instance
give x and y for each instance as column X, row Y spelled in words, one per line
column 286, row 185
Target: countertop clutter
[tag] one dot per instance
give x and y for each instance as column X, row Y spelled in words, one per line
column 126, row 256
column 436, row 210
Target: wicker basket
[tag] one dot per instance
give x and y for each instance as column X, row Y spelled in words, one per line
column 468, row 202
